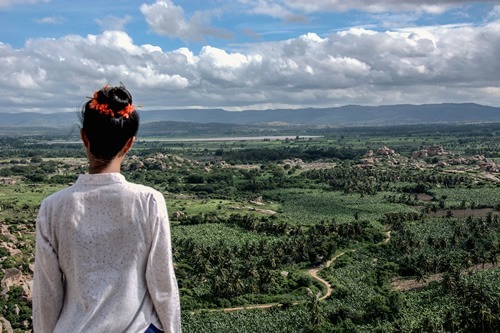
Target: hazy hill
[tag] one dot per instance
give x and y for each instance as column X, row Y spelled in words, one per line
column 345, row 115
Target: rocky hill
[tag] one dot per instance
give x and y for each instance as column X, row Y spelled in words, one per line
column 345, row 116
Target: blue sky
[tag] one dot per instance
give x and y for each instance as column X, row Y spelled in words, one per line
column 249, row 54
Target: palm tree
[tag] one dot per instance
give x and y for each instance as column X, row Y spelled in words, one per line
column 314, row 310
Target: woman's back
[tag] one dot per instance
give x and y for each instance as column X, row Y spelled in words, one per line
column 103, row 259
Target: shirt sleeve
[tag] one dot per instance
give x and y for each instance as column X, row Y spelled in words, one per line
column 160, row 275
column 48, row 286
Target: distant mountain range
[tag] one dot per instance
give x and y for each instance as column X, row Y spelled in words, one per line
column 350, row 115
column 343, row 116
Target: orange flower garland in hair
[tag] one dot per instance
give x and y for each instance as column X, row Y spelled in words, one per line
column 104, row 108
column 126, row 111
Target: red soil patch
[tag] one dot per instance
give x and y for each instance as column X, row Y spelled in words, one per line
column 464, row 213
column 424, row 197
column 402, row 284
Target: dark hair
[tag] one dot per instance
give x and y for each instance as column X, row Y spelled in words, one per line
column 108, row 132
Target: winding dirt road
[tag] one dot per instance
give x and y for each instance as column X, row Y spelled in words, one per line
column 313, row 272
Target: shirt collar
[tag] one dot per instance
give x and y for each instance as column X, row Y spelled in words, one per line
column 100, row 179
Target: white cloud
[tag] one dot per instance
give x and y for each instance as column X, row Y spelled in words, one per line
column 221, row 59
column 428, row 6
column 494, row 14
column 111, row 22
column 55, row 20
column 387, row 13
column 269, row 8
column 10, row 3
column 455, row 63
column 116, row 40
column 167, row 19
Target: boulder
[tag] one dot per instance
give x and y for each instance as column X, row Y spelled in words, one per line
column 178, row 215
column 385, row 151
column 489, row 166
column 5, row 325
column 136, row 165
column 27, row 288
column 12, row 277
column 367, row 161
column 435, row 150
column 7, row 181
column 420, row 154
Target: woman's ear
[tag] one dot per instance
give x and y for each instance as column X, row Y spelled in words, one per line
column 85, row 140
column 128, row 146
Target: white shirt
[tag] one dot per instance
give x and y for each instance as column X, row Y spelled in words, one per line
column 103, row 259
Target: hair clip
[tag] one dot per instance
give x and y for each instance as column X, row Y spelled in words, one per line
column 103, row 108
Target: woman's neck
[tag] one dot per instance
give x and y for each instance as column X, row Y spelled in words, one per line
column 100, row 166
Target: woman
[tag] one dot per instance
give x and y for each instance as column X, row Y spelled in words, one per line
column 103, row 260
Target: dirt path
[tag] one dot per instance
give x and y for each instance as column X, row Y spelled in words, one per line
column 255, row 306
column 313, row 272
column 387, row 236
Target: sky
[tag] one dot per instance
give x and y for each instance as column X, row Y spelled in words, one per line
column 249, row 54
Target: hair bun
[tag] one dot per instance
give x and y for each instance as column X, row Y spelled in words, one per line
column 115, row 102
column 117, row 98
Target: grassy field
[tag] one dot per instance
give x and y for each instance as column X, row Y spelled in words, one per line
column 209, row 234
column 487, row 196
column 223, row 208
column 310, row 207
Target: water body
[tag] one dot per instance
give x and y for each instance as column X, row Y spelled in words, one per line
column 227, row 138
column 231, row 138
